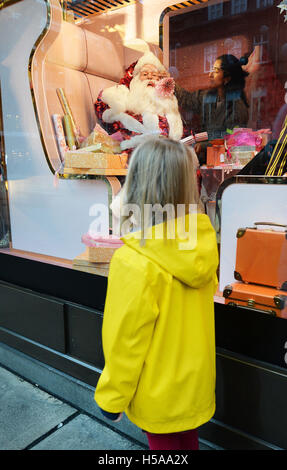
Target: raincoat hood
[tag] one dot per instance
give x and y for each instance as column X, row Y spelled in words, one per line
column 184, row 247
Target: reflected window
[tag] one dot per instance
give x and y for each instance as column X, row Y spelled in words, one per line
column 260, row 36
column 210, row 54
column 262, row 41
column 215, row 11
column 233, row 46
column 264, row 3
column 238, row 6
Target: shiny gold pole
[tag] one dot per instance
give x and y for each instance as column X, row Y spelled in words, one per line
column 70, row 137
column 67, row 110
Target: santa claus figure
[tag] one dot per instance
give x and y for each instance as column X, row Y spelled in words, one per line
column 142, row 104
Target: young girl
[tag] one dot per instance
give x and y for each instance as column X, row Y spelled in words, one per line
column 158, row 327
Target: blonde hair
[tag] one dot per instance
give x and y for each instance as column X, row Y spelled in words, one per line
column 161, row 171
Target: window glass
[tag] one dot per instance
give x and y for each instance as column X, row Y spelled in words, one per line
column 54, row 67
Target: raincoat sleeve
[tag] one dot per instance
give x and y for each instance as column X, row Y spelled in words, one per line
column 129, row 318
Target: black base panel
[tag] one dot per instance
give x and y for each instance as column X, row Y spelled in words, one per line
column 64, row 283
column 256, row 335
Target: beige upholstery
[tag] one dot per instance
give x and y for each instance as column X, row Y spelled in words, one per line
column 76, row 63
column 82, row 63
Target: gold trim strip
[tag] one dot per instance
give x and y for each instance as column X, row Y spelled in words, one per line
column 39, row 39
column 241, row 361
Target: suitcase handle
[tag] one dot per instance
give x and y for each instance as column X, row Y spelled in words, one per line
column 270, row 312
column 270, row 223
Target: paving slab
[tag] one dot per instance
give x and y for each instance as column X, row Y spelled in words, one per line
column 26, row 412
column 85, row 433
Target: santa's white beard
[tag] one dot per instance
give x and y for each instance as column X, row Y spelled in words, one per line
column 143, row 98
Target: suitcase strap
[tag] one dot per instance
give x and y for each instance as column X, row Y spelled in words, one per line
column 270, row 223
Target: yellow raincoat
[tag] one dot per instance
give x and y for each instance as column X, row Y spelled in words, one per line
column 158, row 331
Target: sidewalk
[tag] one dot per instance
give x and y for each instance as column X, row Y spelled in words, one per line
column 31, row 419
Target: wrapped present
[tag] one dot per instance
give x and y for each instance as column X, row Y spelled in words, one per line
column 215, row 155
column 83, row 263
column 60, row 135
column 101, row 249
column 83, row 158
column 242, row 155
column 99, row 136
column 247, row 137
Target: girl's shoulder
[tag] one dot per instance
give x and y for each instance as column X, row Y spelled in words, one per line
column 130, row 263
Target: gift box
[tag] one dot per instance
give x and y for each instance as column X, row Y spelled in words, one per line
column 83, row 263
column 242, row 155
column 101, row 249
column 215, row 155
column 99, row 136
column 96, row 160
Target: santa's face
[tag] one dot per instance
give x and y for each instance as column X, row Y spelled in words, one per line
column 149, row 74
column 143, row 96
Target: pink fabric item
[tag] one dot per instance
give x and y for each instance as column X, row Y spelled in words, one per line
column 241, row 137
column 187, row 440
column 112, row 241
column 117, row 136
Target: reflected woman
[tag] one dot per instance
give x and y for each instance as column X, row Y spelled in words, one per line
column 224, row 105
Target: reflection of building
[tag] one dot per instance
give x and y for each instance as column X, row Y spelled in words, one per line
column 235, row 27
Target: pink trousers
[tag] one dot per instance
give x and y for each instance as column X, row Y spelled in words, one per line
column 187, row 440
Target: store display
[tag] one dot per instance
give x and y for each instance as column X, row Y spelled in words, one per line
column 82, row 158
column 261, row 256
column 258, row 298
column 242, row 144
column 99, row 154
column 108, row 144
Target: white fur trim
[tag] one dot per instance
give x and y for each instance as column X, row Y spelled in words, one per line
column 136, row 140
column 175, row 126
column 150, row 122
column 148, row 58
column 116, row 98
column 127, row 121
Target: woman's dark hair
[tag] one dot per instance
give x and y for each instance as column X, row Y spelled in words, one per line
column 232, row 68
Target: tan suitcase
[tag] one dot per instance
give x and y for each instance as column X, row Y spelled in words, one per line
column 262, row 299
column 261, row 256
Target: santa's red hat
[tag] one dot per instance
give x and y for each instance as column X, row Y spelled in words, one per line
column 127, row 78
column 151, row 59
column 135, row 68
